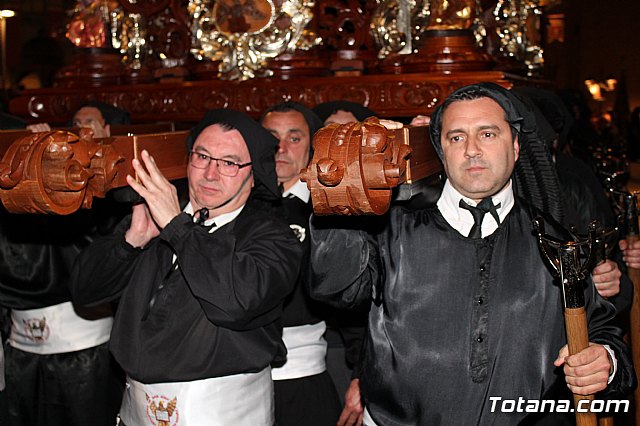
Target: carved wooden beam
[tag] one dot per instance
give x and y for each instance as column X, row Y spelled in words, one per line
column 60, row 172
column 355, row 166
column 405, row 95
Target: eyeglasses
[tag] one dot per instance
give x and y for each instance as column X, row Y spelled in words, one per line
column 225, row 167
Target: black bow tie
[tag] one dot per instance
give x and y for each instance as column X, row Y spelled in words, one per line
column 478, row 212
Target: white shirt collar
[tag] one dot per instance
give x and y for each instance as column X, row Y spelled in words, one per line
column 220, row 220
column 300, row 190
column 462, row 220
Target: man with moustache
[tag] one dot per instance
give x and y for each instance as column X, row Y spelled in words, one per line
column 200, row 288
column 304, row 390
column 465, row 309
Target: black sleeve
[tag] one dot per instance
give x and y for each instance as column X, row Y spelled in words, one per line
column 240, row 277
column 345, row 266
column 623, row 300
column 37, row 254
column 100, row 272
column 602, row 321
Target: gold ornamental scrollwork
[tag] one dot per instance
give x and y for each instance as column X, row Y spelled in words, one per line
column 244, row 34
column 396, row 24
column 518, row 31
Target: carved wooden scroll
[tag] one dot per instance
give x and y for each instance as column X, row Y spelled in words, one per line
column 355, row 166
column 60, row 172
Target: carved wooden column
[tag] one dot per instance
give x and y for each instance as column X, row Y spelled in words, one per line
column 345, row 28
column 448, row 44
column 306, row 60
column 299, row 63
column 168, row 36
column 95, row 62
column 448, row 51
column 91, row 67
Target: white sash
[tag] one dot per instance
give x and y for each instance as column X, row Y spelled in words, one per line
column 366, row 419
column 306, row 352
column 56, row 329
column 238, row 400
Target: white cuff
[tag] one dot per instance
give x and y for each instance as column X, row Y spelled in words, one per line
column 613, row 360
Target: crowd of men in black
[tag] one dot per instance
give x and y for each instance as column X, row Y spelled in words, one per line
column 212, row 305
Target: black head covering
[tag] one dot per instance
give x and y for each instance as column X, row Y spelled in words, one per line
column 111, row 114
column 325, row 109
column 546, row 131
column 261, row 144
column 535, row 177
column 553, row 109
column 313, row 121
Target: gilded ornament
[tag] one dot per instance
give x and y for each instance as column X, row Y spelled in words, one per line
column 396, row 24
column 90, row 24
column 244, row 34
column 518, row 29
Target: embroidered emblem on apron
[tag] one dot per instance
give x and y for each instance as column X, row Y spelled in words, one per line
column 36, row 329
column 162, row 411
column 299, row 231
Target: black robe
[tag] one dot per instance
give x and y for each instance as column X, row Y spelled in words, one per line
column 454, row 321
column 37, row 254
column 299, row 308
column 217, row 315
column 312, row 400
column 36, row 257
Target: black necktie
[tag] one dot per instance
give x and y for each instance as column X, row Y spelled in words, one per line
column 478, row 212
column 203, row 215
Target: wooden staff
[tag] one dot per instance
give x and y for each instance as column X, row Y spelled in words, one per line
column 606, row 241
column 563, row 256
column 632, row 235
column 578, row 339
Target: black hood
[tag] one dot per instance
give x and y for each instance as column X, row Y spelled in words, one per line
column 554, row 111
column 262, row 147
column 111, row 114
column 535, row 177
column 324, row 110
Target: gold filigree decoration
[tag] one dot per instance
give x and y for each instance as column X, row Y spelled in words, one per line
column 103, row 23
column 518, row 30
column 133, row 38
column 91, row 24
column 396, row 24
column 244, row 34
column 453, row 14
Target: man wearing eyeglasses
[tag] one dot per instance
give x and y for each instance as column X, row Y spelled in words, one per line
column 200, row 289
